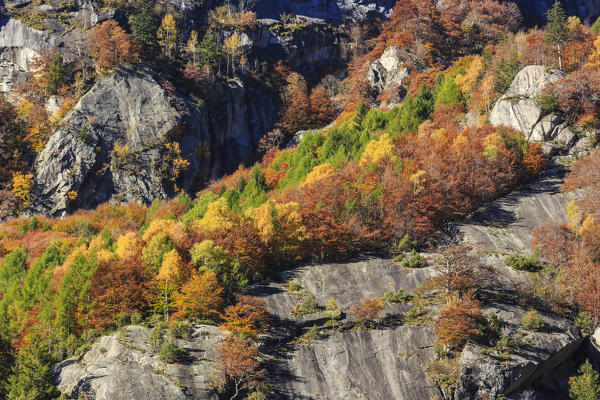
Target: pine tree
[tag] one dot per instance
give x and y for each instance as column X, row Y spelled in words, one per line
column 144, row 26
column 56, row 74
column 6, row 360
column 585, row 386
column 31, row 377
column 557, row 29
column 167, row 35
column 424, row 103
column 208, row 52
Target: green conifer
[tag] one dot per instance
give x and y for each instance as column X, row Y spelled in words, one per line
column 56, row 74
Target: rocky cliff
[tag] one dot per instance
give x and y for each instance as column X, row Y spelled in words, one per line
column 521, row 109
column 114, row 144
column 19, row 44
column 125, row 366
column 331, row 10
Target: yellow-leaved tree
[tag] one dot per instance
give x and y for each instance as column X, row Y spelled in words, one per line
column 378, row 149
column 216, row 217
column 167, row 35
column 168, row 271
column 200, row 298
column 128, row 245
column 21, row 187
column 192, row 47
column 232, row 47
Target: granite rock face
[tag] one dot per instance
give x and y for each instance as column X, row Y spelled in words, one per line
column 127, row 109
column 112, row 145
column 519, row 109
column 124, row 367
column 387, row 70
column 19, row 45
column 331, row 10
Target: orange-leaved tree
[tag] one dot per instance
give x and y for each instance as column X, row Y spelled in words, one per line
column 200, row 297
column 111, row 46
column 367, row 310
column 247, row 318
column 238, row 364
column 459, row 320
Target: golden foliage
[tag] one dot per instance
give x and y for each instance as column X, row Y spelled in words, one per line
column 378, row 149
column 21, row 187
column 216, row 217
column 128, row 245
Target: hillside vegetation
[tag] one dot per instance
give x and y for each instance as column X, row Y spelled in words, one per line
column 380, row 179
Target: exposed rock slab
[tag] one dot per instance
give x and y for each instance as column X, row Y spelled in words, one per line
column 506, row 225
column 520, row 110
column 124, row 368
column 367, row 364
column 387, row 70
column 127, row 108
column 337, row 11
column 19, row 45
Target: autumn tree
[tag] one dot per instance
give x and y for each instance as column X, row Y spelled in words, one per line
column 553, row 242
column 459, row 271
column 169, row 270
column 321, row 107
column 200, row 297
column 22, row 184
column 239, row 366
column 118, row 288
column 192, row 48
column 459, row 321
column 167, row 35
column 246, row 318
column 227, row 268
column 584, row 175
column 111, row 46
column 557, row 29
column 234, row 52
column 367, row 310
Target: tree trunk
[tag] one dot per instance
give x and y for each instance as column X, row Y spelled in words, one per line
column 560, row 66
column 166, row 300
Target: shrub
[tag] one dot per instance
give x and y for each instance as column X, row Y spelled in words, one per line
column 532, row 321
column 367, row 310
column 521, row 263
column 170, row 353
column 157, row 335
column 413, row 260
column 405, row 244
column 136, row 318
column 332, row 311
column 307, row 306
column 444, row 373
column 440, row 350
column 585, row 322
column 179, row 330
column 396, row 297
column 309, row 337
